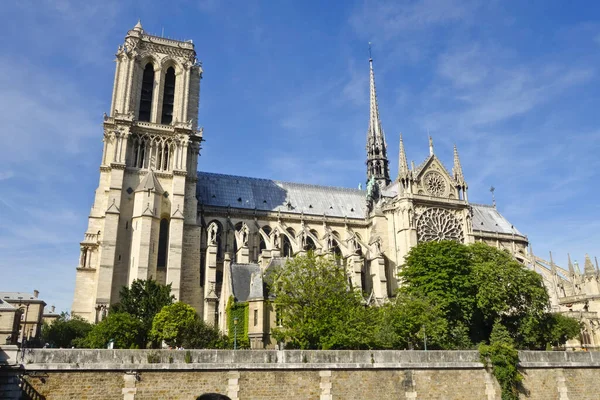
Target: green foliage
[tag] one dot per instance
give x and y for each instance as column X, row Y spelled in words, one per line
column 551, row 330
column 504, row 358
column 407, row 320
column 316, row 308
column 240, row 311
column 123, row 328
column 442, row 272
column 143, row 300
column 66, row 331
column 172, row 323
column 187, row 357
column 506, row 291
column 201, row 335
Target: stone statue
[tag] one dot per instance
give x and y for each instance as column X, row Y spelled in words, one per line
column 276, row 238
column 244, row 233
column 213, row 230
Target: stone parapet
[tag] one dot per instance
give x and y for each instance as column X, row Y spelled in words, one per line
column 83, row 359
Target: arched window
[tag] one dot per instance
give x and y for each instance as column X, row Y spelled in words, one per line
column 146, row 95
column 163, row 243
column 168, row 97
column 287, row 247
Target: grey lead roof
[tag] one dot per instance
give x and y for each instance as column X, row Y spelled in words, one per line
column 5, row 306
column 246, row 280
column 487, row 218
column 269, row 195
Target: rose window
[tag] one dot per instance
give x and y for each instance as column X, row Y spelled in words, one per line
column 435, row 184
column 436, row 224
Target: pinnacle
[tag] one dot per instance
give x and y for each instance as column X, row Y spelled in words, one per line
column 138, row 26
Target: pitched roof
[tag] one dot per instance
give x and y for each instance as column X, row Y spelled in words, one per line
column 16, row 296
column 246, row 280
column 4, row 306
column 150, row 182
column 487, row 218
column 269, row 195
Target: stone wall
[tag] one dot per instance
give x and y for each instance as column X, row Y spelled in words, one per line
column 319, row 375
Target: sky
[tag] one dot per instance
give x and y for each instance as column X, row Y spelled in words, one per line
column 284, row 95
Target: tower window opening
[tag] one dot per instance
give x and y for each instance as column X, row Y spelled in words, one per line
column 168, row 97
column 146, row 95
column 163, row 243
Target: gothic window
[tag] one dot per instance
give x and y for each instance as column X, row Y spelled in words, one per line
column 310, row 244
column 437, row 224
column 168, row 97
column 146, row 95
column 287, row 246
column 163, row 243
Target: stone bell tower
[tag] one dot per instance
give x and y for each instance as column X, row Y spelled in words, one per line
column 143, row 221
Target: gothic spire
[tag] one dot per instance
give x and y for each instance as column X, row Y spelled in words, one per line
column 402, row 163
column 377, row 162
column 588, row 267
column 571, row 269
column 457, row 169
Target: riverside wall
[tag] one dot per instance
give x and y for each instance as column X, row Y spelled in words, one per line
column 272, row 374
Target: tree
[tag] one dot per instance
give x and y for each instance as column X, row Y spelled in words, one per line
column 506, row 291
column 201, row 335
column 125, row 330
column 172, row 323
column 407, row 320
column 66, row 331
column 143, row 300
column 316, row 307
column 442, row 273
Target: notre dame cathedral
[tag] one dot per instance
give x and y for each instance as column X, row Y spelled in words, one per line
column 213, row 236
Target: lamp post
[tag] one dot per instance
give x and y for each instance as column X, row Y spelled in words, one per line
column 235, row 322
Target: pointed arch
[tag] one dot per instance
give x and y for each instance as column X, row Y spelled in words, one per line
column 145, row 106
column 168, row 98
column 163, row 244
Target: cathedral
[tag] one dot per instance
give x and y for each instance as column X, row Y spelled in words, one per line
column 213, row 237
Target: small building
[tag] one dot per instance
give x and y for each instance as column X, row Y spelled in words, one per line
column 9, row 323
column 29, row 310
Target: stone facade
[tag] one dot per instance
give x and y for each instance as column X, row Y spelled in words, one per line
column 314, row 375
column 213, row 236
column 21, row 316
column 143, row 221
column 574, row 293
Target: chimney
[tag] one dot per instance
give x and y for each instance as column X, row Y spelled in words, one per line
column 36, row 293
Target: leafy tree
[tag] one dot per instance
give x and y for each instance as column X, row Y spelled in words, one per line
column 201, row 335
column 65, row 331
column 317, row 309
column 551, row 330
column 442, row 273
column 123, row 328
column 172, row 323
column 407, row 320
column 504, row 357
column 506, row 291
column 143, row 300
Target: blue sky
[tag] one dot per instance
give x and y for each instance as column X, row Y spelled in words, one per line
column 285, row 96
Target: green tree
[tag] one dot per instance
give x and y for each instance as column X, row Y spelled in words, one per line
column 442, row 273
column 172, row 323
column 200, row 335
column 125, row 330
column 66, row 331
column 506, row 292
column 143, row 300
column 407, row 320
column 317, row 309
